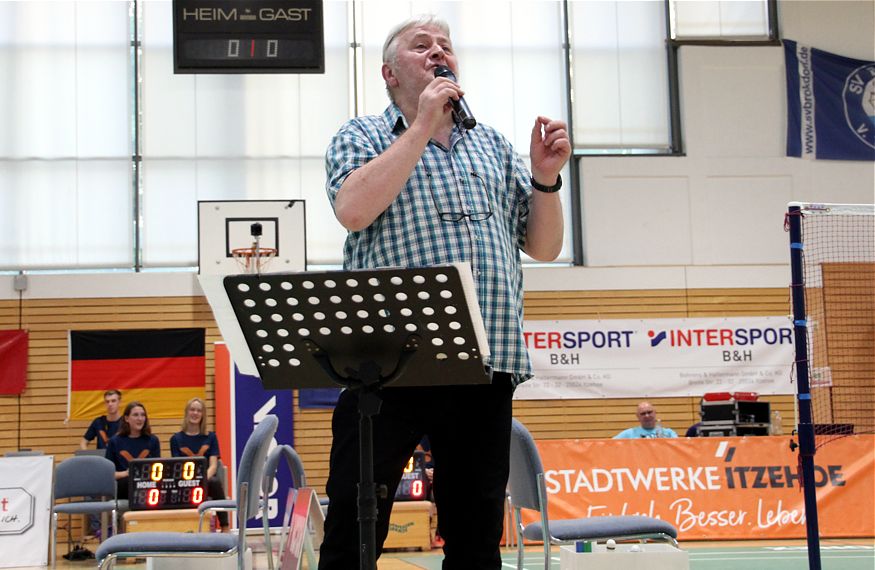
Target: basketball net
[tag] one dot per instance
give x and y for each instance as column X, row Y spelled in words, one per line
column 254, row 259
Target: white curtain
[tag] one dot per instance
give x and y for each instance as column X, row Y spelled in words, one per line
column 620, row 74
column 66, row 90
column 65, row 141
column 720, row 19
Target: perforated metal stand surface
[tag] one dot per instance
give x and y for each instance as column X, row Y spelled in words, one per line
column 361, row 329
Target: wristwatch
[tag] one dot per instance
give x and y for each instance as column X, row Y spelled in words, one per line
column 547, row 189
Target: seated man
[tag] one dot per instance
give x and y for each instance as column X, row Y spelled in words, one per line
column 650, row 425
column 104, row 427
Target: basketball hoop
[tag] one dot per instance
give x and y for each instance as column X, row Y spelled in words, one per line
column 253, row 259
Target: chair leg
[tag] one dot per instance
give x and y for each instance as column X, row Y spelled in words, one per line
column 107, row 563
column 508, row 527
column 547, row 562
column 200, row 522
column 265, row 523
column 520, row 548
column 53, row 540
column 312, row 561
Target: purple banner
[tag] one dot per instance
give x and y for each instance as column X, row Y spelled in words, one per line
column 251, row 404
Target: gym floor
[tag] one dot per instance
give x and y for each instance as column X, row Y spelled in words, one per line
column 836, row 554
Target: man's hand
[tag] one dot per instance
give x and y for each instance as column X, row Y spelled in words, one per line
column 550, row 149
column 434, row 104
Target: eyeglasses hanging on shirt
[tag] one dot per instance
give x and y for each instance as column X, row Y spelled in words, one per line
column 473, row 185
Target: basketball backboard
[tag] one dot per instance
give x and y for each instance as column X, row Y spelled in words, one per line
column 225, row 225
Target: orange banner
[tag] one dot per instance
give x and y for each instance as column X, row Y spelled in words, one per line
column 713, row 488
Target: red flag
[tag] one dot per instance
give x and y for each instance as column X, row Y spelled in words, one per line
column 13, row 362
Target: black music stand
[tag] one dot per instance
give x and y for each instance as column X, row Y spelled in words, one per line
column 362, row 329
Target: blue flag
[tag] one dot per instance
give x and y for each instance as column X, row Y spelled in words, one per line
column 830, row 105
column 318, row 397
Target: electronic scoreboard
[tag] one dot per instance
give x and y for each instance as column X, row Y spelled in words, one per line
column 167, row 483
column 248, row 36
column 414, row 485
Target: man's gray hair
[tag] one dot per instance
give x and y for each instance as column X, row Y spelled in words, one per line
column 390, row 46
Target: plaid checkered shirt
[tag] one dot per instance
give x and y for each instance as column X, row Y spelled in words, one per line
column 478, row 174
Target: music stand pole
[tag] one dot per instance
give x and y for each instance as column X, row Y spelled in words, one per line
column 369, row 406
column 368, row 381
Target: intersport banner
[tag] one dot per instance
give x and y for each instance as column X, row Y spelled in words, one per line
column 658, row 357
column 713, row 488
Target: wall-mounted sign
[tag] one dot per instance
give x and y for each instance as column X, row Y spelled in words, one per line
column 248, row 36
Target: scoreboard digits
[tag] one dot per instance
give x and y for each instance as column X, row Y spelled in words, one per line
column 167, row 483
column 414, row 483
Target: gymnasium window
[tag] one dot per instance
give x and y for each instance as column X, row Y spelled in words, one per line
column 105, row 153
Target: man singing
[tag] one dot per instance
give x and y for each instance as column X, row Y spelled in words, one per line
column 416, row 188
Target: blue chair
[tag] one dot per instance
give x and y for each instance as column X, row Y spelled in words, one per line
column 208, row 545
column 92, row 480
column 299, row 480
column 528, row 491
column 216, row 505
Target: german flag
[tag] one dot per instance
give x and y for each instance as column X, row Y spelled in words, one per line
column 163, row 368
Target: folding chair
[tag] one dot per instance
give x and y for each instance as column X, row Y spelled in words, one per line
column 528, row 491
column 90, row 478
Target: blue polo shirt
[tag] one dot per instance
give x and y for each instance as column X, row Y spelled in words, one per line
column 122, row 449
column 102, row 429
column 639, row 432
column 184, row 445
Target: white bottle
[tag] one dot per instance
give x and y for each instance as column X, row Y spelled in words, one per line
column 659, row 432
column 776, row 427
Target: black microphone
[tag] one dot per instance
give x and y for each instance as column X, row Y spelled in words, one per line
column 460, row 109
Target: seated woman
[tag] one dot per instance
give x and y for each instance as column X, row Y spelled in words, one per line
column 134, row 440
column 195, row 441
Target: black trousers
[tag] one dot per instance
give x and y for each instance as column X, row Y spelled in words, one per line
column 469, row 431
column 215, row 492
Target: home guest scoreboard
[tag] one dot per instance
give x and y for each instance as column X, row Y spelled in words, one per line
column 414, row 485
column 167, row 483
column 248, row 36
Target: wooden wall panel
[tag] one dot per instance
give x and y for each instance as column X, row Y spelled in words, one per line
column 43, row 405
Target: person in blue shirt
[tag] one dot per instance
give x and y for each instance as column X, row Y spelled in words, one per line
column 650, row 426
column 104, row 427
column 693, row 430
column 134, row 440
column 193, row 440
